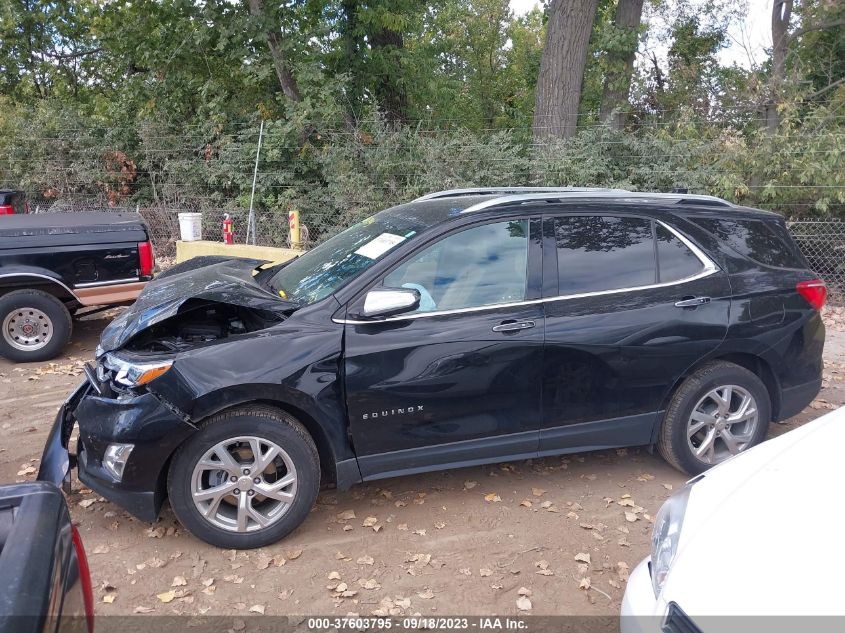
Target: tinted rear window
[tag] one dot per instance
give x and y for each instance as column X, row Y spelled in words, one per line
column 675, row 259
column 596, row 253
column 755, row 239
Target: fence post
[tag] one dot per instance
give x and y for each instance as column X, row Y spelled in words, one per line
column 250, row 223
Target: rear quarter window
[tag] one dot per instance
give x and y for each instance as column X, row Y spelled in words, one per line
column 755, row 239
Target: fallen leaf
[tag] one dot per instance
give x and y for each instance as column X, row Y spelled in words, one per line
column 439, row 525
column 30, row 470
column 622, row 570
column 582, row 557
column 630, row 517
column 427, row 594
column 257, row 608
column 87, row 503
column 369, row 522
column 483, row 572
column 526, row 503
column 101, row 549
column 179, row 581
column 293, row 554
column 523, row 603
column 208, row 582
column 667, row 486
column 371, row 583
column 492, row 497
column 109, row 598
column 645, row 477
column 333, row 575
column 584, row 584
column 524, row 591
column 346, row 515
column 365, row 560
column 538, row 492
column 142, row 609
column 469, row 485
column 263, row 561
column 167, row 596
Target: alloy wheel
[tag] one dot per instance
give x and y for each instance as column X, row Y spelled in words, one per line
column 244, row 484
column 723, row 423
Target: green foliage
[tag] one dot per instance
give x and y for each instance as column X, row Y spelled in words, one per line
column 158, row 102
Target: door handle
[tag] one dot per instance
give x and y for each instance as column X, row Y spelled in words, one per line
column 692, row 302
column 513, row 326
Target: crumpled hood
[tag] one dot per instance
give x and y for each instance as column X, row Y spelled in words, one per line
column 230, row 282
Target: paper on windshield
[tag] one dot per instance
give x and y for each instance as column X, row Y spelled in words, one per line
column 378, row 246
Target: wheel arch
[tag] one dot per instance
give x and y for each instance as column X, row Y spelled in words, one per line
column 754, row 363
column 36, row 280
column 332, row 444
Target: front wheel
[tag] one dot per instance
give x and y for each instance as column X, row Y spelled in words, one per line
column 246, row 479
column 719, row 411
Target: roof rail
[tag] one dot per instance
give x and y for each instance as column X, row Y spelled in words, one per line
column 502, row 191
column 618, row 194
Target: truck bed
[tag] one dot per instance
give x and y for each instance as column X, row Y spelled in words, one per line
column 63, row 229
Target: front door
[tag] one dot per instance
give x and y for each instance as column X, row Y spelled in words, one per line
column 456, row 382
column 638, row 304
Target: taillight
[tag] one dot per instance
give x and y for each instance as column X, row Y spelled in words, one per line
column 6, row 209
column 815, row 292
column 84, row 578
column 146, row 257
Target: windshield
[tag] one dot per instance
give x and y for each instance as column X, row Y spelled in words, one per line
column 324, row 269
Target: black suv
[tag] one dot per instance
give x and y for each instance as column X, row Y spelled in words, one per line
column 465, row 327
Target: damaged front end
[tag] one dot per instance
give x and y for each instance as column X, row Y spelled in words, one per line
column 128, row 425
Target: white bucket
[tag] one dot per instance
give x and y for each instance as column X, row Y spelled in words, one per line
column 190, row 226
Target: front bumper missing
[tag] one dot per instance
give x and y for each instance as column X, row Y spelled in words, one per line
column 154, row 429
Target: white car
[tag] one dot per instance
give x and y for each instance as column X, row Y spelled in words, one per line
column 761, row 534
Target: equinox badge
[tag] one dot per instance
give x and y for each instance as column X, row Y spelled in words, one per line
column 391, row 412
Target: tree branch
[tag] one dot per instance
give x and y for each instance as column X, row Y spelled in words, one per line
column 816, row 27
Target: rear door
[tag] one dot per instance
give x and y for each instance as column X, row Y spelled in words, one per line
column 458, row 381
column 638, row 303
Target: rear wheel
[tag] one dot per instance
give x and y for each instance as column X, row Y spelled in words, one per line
column 719, row 411
column 36, row 326
column 246, row 479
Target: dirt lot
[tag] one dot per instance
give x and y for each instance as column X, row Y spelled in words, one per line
column 462, row 542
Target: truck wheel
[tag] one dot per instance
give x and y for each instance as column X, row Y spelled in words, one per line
column 36, row 326
column 719, row 411
column 246, row 479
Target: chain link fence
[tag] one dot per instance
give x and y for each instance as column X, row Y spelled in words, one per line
column 823, row 243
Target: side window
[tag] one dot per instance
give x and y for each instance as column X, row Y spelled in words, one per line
column 674, row 259
column 596, row 253
column 754, row 239
column 481, row 266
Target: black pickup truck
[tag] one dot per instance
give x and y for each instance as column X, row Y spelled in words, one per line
column 54, row 264
column 45, row 583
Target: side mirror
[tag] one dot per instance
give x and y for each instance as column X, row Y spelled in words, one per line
column 391, row 301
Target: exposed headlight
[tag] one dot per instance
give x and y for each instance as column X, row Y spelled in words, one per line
column 665, row 536
column 135, row 374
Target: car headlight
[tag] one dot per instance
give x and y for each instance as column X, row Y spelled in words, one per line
column 665, row 536
column 134, row 374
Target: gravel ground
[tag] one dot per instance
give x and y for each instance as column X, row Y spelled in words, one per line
column 562, row 532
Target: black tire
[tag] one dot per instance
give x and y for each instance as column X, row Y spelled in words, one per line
column 673, row 443
column 55, row 317
column 259, row 421
column 192, row 264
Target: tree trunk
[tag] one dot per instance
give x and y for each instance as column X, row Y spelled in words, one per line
column 276, row 44
column 391, row 95
column 562, row 67
column 781, row 13
column 617, row 82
